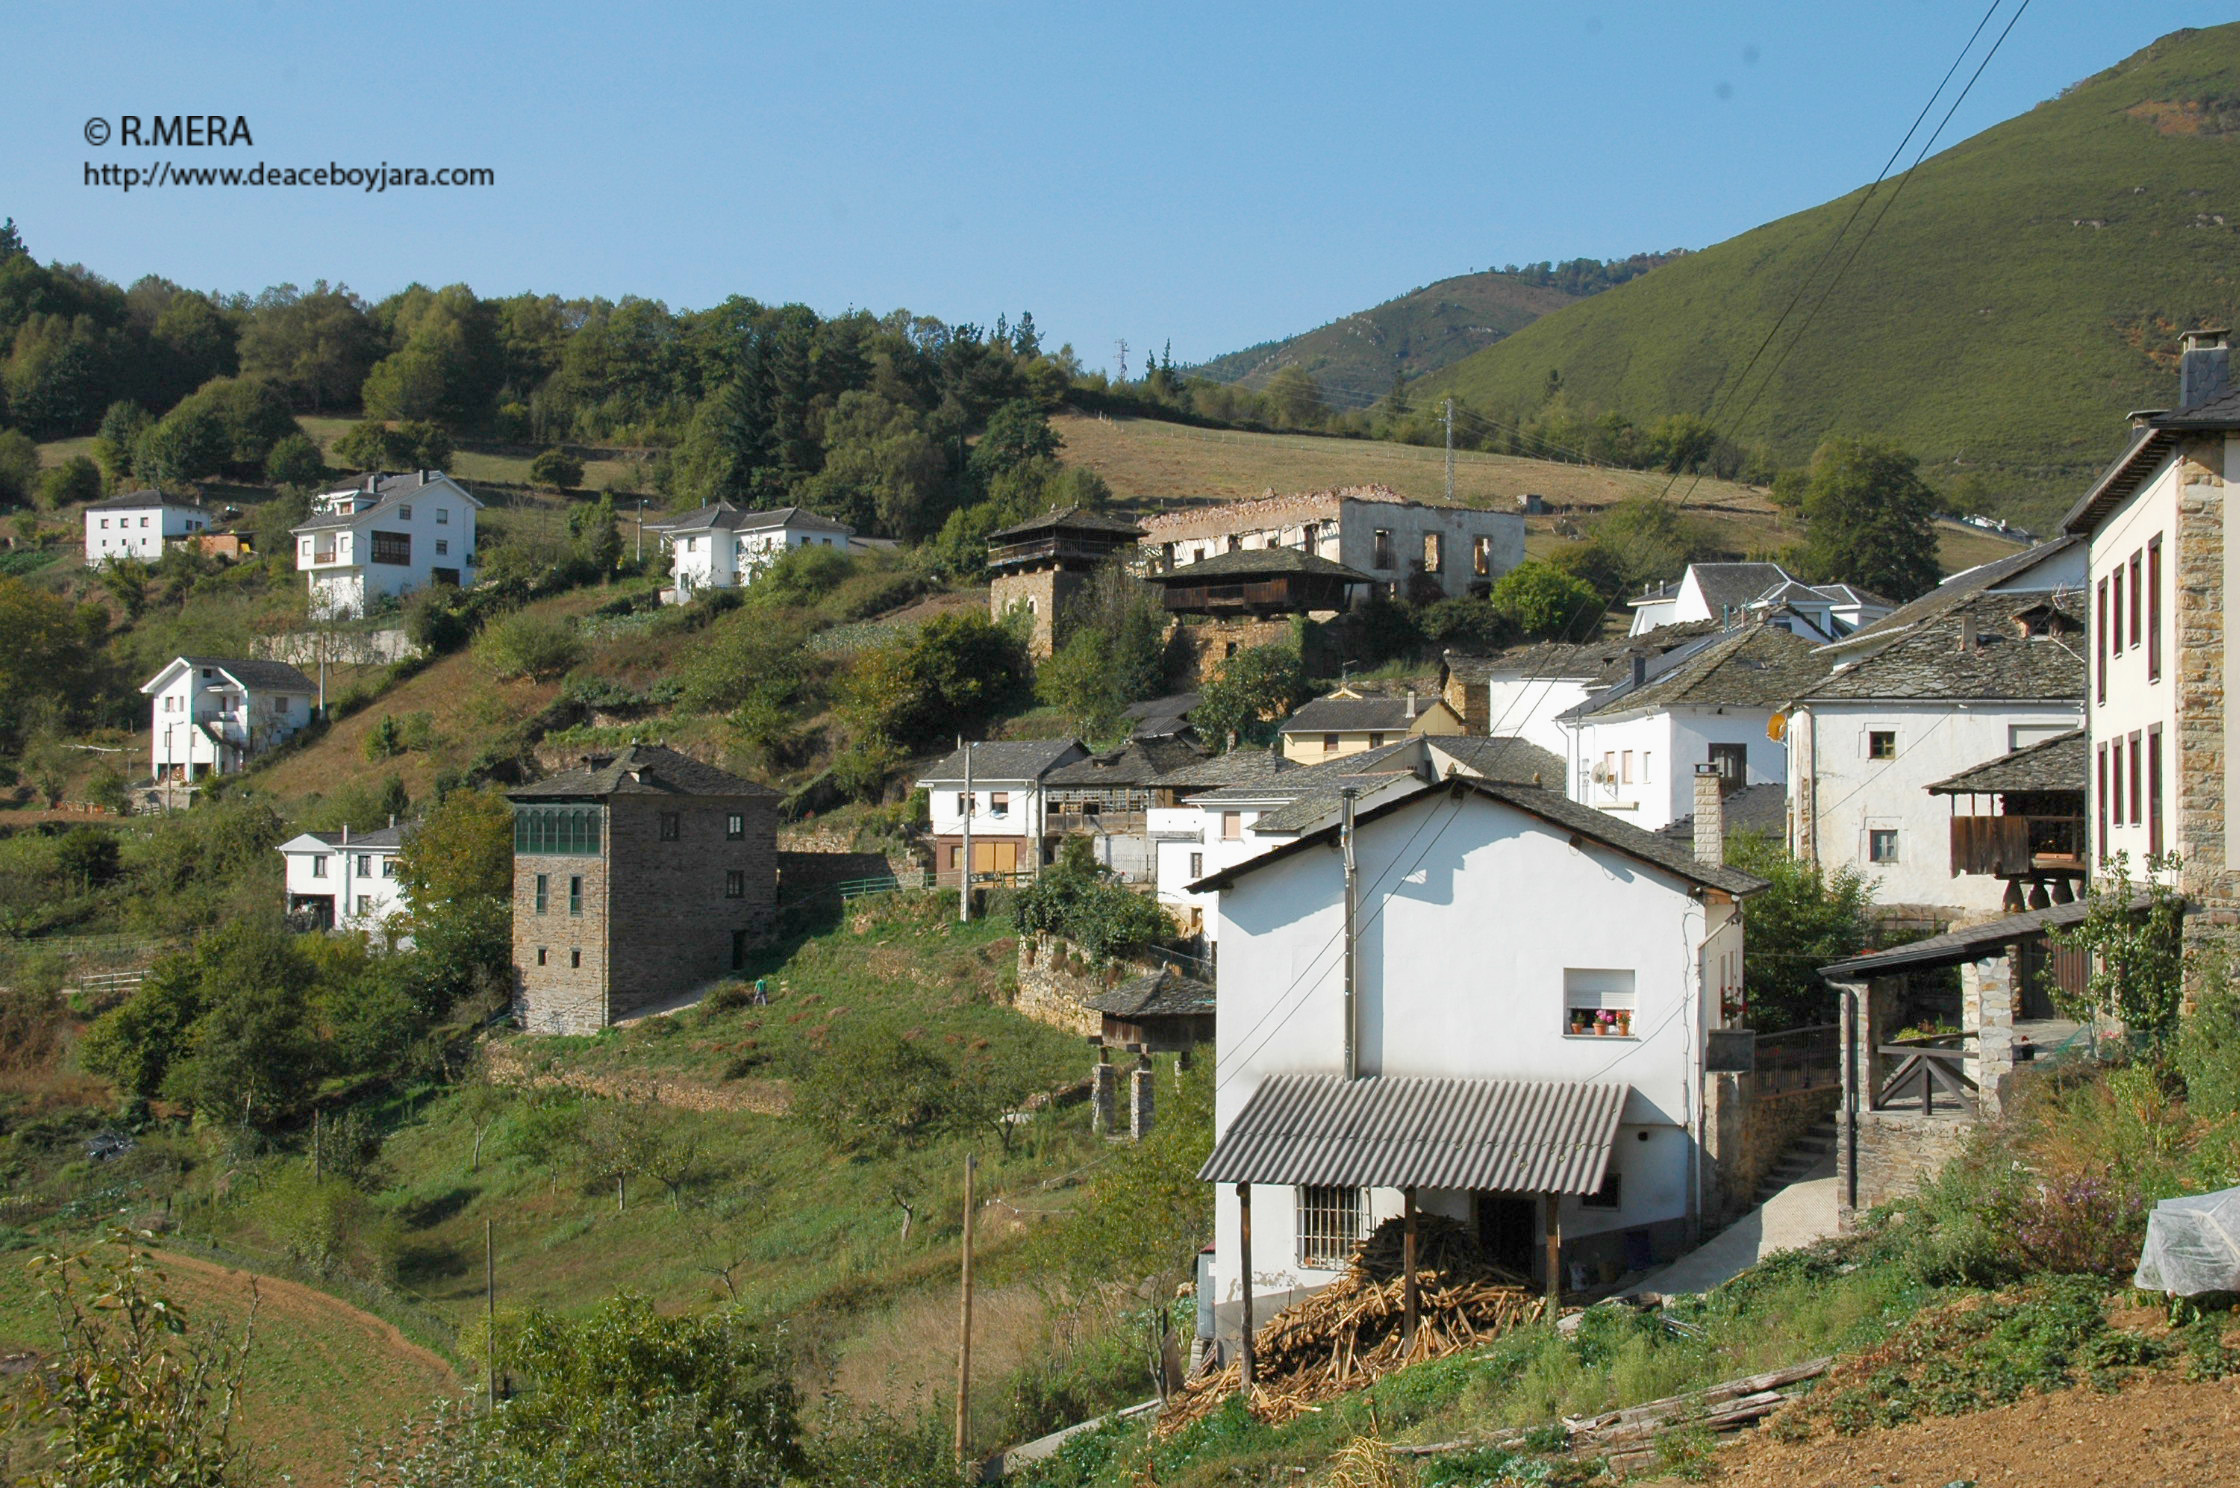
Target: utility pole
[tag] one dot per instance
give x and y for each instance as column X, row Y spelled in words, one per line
column 641, row 530
column 490, row 1306
column 1346, row 799
column 964, row 874
column 1449, row 420
column 964, row 1320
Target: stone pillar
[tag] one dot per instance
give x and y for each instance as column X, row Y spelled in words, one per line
column 1987, row 996
column 1102, row 1089
column 1140, row 1098
column 1857, row 1025
column 1711, row 816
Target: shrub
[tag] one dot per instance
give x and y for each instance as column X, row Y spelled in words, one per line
column 75, row 480
column 295, row 464
column 558, row 469
column 526, row 644
column 1079, row 900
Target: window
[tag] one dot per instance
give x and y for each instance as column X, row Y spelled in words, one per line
column 1376, row 741
column 1625, row 767
column 1882, row 744
column 443, row 516
column 1605, row 1197
column 2100, row 793
column 1434, row 551
column 2138, row 599
column 143, row 521
column 964, row 804
column 405, row 512
column 575, row 895
column 1329, row 743
column 1197, row 865
column 442, row 547
column 734, row 884
column 540, row 955
column 557, row 831
column 1329, row 1226
column 2100, row 630
column 2115, row 611
column 2154, row 791
column 1381, row 549
column 999, row 803
column 319, row 866
column 104, row 524
column 1733, row 762
column 734, row 827
column 392, row 547
column 2132, row 815
column 1481, row 556
column 1882, row 845
column 365, row 865
column 575, row 957
column 1645, row 765
column 544, row 893
column 1597, row 1002
column 1232, row 826
column 2154, row 608
column 1236, row 543
column 672, row 826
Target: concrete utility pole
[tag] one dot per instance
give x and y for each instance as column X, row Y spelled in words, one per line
column 964, row 873
column 490, row 1305
column 641, row 529
column 1449, row 420
column 1346, row 799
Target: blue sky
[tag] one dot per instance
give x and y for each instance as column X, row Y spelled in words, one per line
column 1214, row 174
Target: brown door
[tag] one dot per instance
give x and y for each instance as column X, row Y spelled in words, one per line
column 995, row 857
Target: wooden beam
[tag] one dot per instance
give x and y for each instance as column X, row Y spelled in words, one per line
column 1244, row 1283
column 1408, row 1288
column 1552, row 1235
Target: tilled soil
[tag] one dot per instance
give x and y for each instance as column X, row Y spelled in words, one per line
column 2152, row 1433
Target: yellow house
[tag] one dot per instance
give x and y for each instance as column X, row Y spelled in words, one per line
column 1346, row 723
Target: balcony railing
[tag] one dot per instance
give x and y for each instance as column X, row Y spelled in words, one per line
column 1928, row 1069
column 2017, row 846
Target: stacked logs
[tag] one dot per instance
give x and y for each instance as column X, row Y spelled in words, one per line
column 1352, row 1332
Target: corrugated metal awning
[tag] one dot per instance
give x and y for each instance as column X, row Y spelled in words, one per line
column 1503, row 1136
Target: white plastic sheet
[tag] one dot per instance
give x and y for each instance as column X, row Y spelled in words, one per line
column 2193, row 1245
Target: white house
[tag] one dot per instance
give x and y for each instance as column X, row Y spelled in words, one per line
column 211, row 714
column 1408, row 548
column 2163, row 552
column 135, row 525
column 341, row 882
column 1524, row 690
column 1728, row 592
column 1002, row 798
column 722, row 547
column 1995, row 673
column 386, row 536
column 1523, row 1046
column 1633, row 747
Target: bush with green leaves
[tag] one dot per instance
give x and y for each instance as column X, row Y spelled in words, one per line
column 74, row 481
column 19, row 468
column 295, row 464
column 527, row 644
column 2135, row 949
column 1543, row 601
column 410, row 444
column 1805, row 919
column 1256, row 689
column 1079, row 899
column 556, row 468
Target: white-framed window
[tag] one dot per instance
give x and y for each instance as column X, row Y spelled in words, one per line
column 999, row 803
column 405, row 512
column 443, row 516
column 365, row 865
column 319, row 866
column 1331, row 1223
column 1598, row 1002
column 1882, row 744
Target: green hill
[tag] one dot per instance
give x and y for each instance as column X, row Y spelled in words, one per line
column 2023, row 293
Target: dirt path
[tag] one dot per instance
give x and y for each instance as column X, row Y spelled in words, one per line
column 2157, row 1432
column 281, row 1300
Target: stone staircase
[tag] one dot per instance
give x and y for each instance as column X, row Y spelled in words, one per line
column 1816, row 1147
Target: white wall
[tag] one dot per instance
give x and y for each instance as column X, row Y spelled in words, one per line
column 1463, row 946
column 1662, row 789
column 1527, row 707
column 721, row 559
column 362, row 882
column 1348, row 536
column 1180, row 833
column 1022, row 816
column 1854, row 795
column 338, row 563
column 139, row 534
column 257, row 721
column 2135, row 703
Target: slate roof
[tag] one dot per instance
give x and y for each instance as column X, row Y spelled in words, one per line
column 1237, row 767
column 381, row 838
column 1258, row 563
column 1503, row 757
column 1136, row 763
column 1005, row 759
column 1971, row 944
column 1760, row 666
column 1957, row 590
column 1080, row 519
column 1597, row 658
column 388, row 491
column 1383, row 762
column 1161, row 716
column 724, row 517
column 1550, row 806
column 2153, row 435
column 1734, row 585
column 2055, row 764
column 1930, row 663
column 1760, row 809
column 640, row 770
column 1312, row 807
column 252, row 673
column 1337, row 715
column 1165, row 993
column 146, row 500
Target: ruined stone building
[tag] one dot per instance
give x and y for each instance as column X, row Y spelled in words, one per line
column 1405, row 549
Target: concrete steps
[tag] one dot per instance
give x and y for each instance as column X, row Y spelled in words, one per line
column 1813, row 1150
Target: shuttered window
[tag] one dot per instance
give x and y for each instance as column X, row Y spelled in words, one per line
column 557, row 831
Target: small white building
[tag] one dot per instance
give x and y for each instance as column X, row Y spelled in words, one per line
column 134, row 526
column 1633, row 747
column 722, row 547
column 1731, row 592
column 1001, row 796
column 384, row 537
column 336, row 881
column 1409, row 549
column 211, row 714
column 1524, row 690
column 1524, row 1047
column 1996, row 673
column 1345, row 722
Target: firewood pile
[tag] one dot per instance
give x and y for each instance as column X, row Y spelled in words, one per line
column 1350, row 1333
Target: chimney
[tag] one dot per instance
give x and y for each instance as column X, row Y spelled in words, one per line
column 1967, row 632
column 346, row 834
column 1640, row 669
column 1711, row 816
column 1411, row 713
column 2204, row 367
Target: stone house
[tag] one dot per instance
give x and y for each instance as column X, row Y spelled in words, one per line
column 638, row 876
column 384, row 537
column 1406, row 549
column 1040, row 564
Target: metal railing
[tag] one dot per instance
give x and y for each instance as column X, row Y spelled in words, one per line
column 1809, row 1058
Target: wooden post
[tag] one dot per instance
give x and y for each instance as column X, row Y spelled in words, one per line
column 314, row 1144
column 964, row 1319
column 1244, row 1282
column 1408, row 1271
column 490, row 1305
column 1552, row 1228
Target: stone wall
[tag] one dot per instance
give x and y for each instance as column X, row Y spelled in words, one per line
column 1746, row 1131
column 302, row 648
column 1054, row 977
column 671, row 921
column 2201, row 675
column 553, row 993
column 804, row 875
column 1896, row 1151
column 1046, row 592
